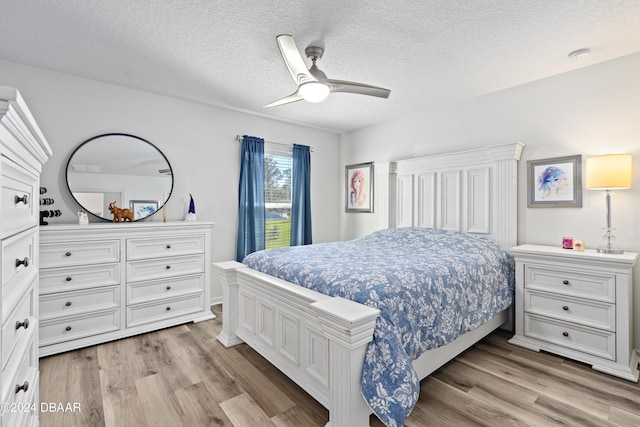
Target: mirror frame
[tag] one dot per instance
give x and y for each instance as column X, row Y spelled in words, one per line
column 66, row 177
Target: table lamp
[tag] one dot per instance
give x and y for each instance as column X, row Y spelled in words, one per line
column 609, row 172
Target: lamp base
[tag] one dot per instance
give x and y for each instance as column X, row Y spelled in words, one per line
column 609, row 250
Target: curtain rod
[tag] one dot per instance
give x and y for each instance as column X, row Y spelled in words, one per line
column 239, row 139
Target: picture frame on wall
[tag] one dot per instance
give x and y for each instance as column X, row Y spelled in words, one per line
column 359, row 187
column 143, row 208
column 555, row 182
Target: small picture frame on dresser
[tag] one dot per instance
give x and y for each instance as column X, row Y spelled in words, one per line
column 143, row 208
column 555, row 182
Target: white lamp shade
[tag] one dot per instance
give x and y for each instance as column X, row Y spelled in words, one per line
column 609, row 172
column 314, row 91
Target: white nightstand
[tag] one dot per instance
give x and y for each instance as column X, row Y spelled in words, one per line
column 578, row 305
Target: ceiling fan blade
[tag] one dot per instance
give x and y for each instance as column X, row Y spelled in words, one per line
column 286, row 100
column 293, row 60
column 359, row 88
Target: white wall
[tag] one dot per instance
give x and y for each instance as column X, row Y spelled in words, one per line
column 590, row 111
column 198, row 140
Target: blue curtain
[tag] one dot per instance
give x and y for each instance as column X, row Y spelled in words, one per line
column 301, row 196
column 251, row 197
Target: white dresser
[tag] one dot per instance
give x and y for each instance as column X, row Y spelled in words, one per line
column 105, row 281
column 578, row 305
column 23, row 151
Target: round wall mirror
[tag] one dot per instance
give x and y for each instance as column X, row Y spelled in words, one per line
column 122, row 170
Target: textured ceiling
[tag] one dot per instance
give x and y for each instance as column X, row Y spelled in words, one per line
column 224, row 53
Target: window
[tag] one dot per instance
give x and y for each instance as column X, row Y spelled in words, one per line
column 277, row 196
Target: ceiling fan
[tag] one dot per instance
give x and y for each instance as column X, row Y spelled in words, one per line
column 313, row 84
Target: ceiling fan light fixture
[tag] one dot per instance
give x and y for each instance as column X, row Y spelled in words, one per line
column 314, row 91
column 313, row 84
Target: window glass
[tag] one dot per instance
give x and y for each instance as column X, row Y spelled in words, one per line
column 277, row 197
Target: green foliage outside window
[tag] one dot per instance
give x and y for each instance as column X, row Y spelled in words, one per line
column 277, row 189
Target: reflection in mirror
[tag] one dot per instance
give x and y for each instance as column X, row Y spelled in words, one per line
column 120, row 168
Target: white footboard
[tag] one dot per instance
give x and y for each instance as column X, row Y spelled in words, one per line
column 316, row 340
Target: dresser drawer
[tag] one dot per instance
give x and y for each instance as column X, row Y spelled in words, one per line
column 64, row 254
column 22, row 367
column 167, row 246
column 161, row 289
column 586, row 312
column 18, row 198
column 76, row 302
column 80, row 326
column 586, row 340
column 19, row 266
column 25, row 409
column 147, row 313
column 571, row 282
column 73, row 278
column 164, row 268
column 19, row 324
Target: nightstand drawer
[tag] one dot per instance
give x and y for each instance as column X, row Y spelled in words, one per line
column 165, row 247
column 586, row 340
column 571, row 282
column 586, row 312
column 66, row 254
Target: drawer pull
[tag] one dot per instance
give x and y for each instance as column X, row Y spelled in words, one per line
column 67, row 254
column 24, row 387
column 565, row 334
column 168, row 246
column 565, row 282
column 68, row 303
column 22, row 199
column 168, row 267
column 168, row 287
column 23, row 324
column 24, row 262
column 168, row 308
column 68, row 328
column 68, row 279
column 565, row 307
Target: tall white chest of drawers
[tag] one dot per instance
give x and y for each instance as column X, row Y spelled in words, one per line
column 577, row 304
column 105, row 281
column 23, row 151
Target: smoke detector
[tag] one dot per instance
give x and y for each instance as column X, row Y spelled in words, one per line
column 580, row 53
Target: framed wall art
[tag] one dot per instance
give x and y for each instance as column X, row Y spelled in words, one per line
column 555, row 182
column 359, row 187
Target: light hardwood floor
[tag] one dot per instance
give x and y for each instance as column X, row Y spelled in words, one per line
column 182, row 376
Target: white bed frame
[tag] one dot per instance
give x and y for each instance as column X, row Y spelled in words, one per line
column 320, row 341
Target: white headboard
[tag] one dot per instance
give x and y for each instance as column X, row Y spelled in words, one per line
column 471, row 191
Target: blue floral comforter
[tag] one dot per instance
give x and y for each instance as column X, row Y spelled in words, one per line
column 430, row 286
